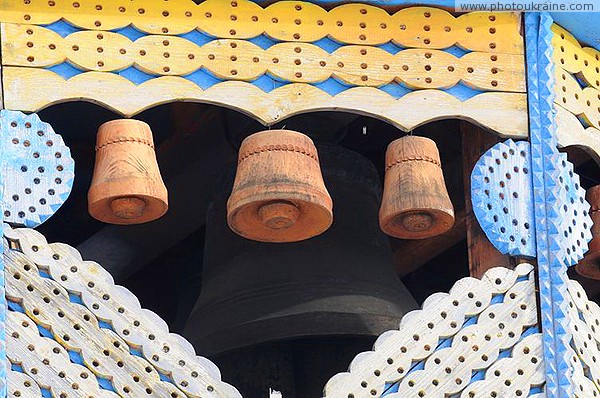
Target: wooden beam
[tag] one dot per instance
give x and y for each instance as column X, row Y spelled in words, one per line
column 482, row 254
column 409, row 255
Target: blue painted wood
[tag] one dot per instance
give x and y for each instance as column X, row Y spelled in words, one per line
column 501, row 193
column 545, row 162
column 37, row 169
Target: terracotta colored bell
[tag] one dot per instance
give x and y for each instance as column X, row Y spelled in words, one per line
column 415, row 201
column 589, row 266
column 126, row 186
column 279, row 194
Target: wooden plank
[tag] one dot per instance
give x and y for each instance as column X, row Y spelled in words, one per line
column 482, row 254
column 571, row 56
column 583, row 102
column 43, row 360
column 77, row 326
column 22, row 86
column 4, row 374
column 161, row 55
column 423, row 27
column 584, row 317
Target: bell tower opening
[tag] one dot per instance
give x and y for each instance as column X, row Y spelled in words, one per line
column 281, row 316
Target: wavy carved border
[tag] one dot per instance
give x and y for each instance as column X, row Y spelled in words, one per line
column 509, row 116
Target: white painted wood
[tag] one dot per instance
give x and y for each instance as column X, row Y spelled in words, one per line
column 135, row 327
column 513, row 376
column 585, row 327
column 499, row 327
column 75, row 328
column 442, row 316
column 47, row 362
column 572, row 132
column 21, row 385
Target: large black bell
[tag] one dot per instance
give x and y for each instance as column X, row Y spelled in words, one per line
column 339, row 283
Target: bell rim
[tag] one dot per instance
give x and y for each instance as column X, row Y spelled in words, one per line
column 313, row 207
column 210, row 345
column 155, row 208
column 388, row 226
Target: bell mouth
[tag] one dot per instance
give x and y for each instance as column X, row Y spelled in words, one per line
column 142, row 204
column 417, row 223
column 282, row 217
column 281, row 214
column 128, row 207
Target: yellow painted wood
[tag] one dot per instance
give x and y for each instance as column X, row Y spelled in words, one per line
column 577, row 108
column 297, row 21
column 584, row 103
column 509, row 117
column 31, row 45
column 163, row 55
column 286, row 20
column 572, row 57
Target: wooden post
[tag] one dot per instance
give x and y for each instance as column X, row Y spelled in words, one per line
column 482, row 254
column 3, row 370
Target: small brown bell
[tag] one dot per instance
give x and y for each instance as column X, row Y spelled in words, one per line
column 126, row 187
column 415, row 201
column 589, row 266
column 279, row 194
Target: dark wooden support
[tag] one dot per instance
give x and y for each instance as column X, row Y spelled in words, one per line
column 482, row 254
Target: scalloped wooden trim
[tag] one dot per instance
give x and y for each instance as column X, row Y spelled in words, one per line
column 44, row 360
column 585, row 320
column 285, row 20
column 509, row 118
column 572, row 133
column 242, row 60
column 441, row 317
column 21, row 385
column 117, row 306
